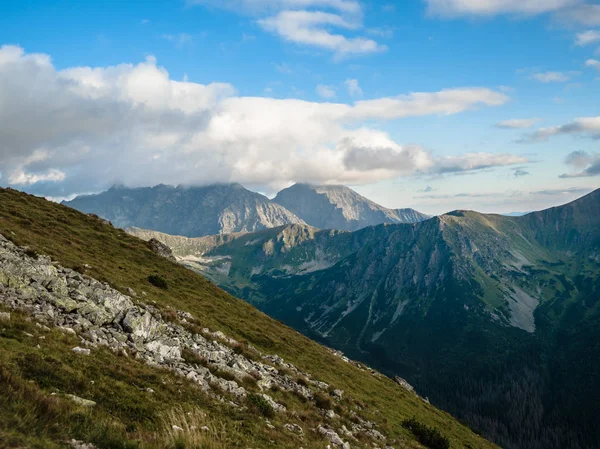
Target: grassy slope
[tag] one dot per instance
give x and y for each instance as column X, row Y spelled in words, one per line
column 74, row 239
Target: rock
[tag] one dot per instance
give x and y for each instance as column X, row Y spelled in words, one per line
column 80, row 401
column 275, row 405
column 333, row 437
column 101, row 316
column 330, row 414
column 140, row 326
column 76, row 444
column 161, row 249
column 67, row 330
column 177, row 428
column 338, row 394
column 294, row 428
column 4, row 316
column 82, row 351
column 131, row 292
column 404, row 384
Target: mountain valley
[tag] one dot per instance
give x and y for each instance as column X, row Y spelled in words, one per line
column 492, row 317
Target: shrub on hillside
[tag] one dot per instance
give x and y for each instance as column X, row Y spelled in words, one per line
column 428, row 436
column 323, row 401
column 158, row 281
column 260, row 404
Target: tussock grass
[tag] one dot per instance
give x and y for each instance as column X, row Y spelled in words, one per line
column 192, row 430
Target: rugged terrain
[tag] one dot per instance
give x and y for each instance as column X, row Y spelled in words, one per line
column 188, row 211
column 339, row 207
column 104, row 343
column 496, row 319
column 230, row 208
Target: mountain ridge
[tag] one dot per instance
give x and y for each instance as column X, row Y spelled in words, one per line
column 464, row 295
column 80, row 265
column 189, row 211
column 339, row 207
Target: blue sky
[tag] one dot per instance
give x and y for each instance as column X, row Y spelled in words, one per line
column 435, row 104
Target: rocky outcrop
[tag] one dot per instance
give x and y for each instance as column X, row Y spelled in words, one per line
column 161, row 249
column 101, row 316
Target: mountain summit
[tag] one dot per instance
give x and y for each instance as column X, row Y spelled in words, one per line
column 187, row 211
column 339, row 207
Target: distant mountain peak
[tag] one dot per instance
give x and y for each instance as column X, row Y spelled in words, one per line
column 191, row 211
column 340, row 207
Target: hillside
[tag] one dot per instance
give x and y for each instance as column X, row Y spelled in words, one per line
column 339, row 207
column 494, row 318
column 156, row 360
column 189, row 211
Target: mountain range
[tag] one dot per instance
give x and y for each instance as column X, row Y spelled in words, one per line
column 107, row 343
column 494, row 318
column 229, row 208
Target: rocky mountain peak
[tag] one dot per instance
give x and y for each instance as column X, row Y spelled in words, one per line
column 339, row 207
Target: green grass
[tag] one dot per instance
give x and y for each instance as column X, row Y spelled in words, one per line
column 125, row 409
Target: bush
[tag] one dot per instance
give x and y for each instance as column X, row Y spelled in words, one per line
column 323, row 401
column 31, row 253
column 249, row 382
column 158, row 281
column 428, row 436
column 260, row 404
column 302, row 381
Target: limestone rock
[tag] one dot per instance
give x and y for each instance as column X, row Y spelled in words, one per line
column 161, row 249
column 80, row 401
column 82, row 351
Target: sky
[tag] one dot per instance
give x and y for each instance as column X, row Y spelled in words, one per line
column 491, row 105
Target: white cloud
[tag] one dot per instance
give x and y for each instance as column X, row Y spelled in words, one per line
column 444, row 102
column 310, row 28
column 353, row 87
column 584, row 126
column 482, row 8
column 476, row 161
column 583, row 14
column 82, row 129
column 20, row 178
column 593, row 63
column 324, row 91
column 517, row 123
column 552, row 77
column 587, row 37
column 580, row 12
column 308, row 22
column 586, row 164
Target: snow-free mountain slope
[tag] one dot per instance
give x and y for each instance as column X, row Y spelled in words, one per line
column 494, row 318
column 339, row 207
column 188, row 211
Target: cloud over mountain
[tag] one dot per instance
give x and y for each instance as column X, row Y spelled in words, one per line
column 81, row 129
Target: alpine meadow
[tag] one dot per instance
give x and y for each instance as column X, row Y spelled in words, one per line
column 304, row 224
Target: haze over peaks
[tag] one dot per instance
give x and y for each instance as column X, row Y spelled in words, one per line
column 227, row 208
